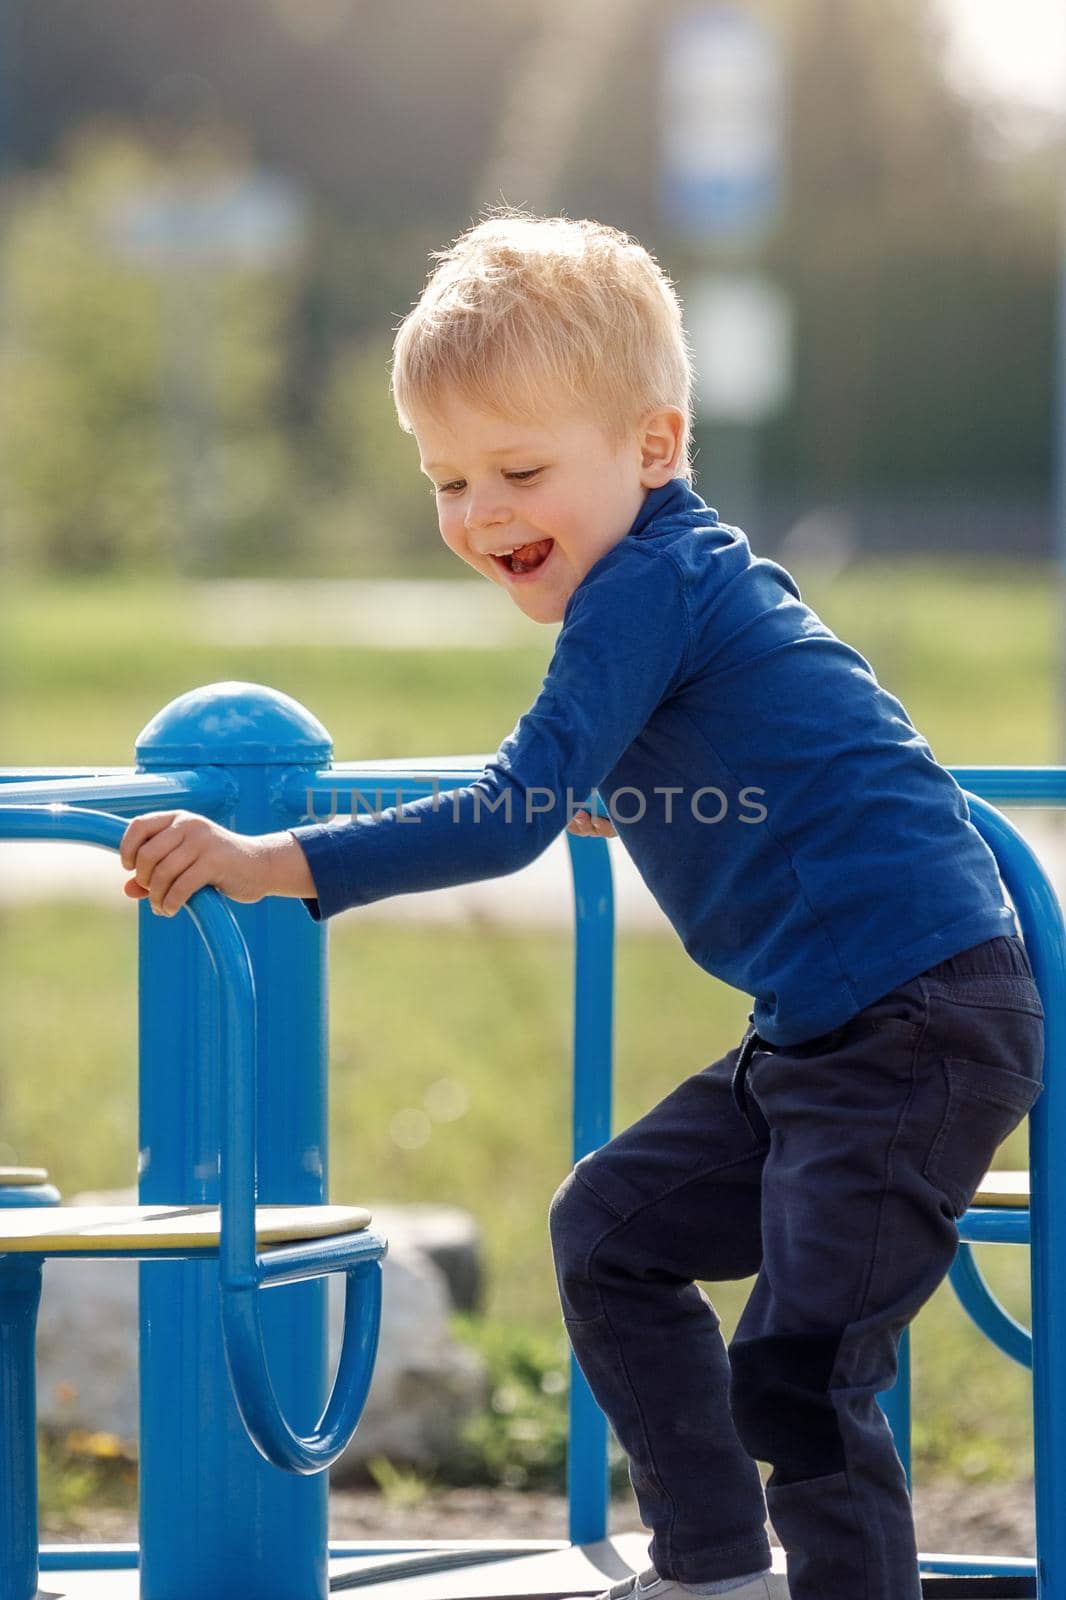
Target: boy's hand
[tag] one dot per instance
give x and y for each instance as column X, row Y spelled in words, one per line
column 173, row 853
column 587, row 826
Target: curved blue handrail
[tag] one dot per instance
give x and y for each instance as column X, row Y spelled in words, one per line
column 1041, row 919
column 993, row 1319
column 241, row 1271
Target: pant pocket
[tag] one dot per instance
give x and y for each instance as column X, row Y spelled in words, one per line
column 984, row 1104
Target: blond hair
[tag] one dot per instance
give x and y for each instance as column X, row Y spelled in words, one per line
column 521, row 305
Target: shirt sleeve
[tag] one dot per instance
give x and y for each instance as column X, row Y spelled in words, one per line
column 620, row 653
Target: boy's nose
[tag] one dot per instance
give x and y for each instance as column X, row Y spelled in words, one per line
column 486, row 513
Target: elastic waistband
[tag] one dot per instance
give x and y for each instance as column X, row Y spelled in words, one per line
column 1003, row 956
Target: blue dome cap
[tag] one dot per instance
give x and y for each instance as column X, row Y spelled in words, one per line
column 233, row 724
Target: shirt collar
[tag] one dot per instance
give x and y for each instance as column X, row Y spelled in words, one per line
column 675, row 496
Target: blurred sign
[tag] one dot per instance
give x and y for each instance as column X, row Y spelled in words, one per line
column 741, row 332
column 235, row 222
column 722, row 124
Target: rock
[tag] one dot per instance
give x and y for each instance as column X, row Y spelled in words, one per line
column 425, row 1383
column 449, row 1236
column 87, row 1347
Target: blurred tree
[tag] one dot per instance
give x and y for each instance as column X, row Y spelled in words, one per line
column 919, row 259
column 924, row 298
column 82, row 468
column 85, row 480
column 374, row 510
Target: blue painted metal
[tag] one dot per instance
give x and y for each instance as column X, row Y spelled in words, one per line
column 279, row 777
column 988, row 1225
column 980, row 1566
column 341, row 789
column 89, row 1557
column 264, row 1534
column 260, row 1407
column 329, row 793
column 125, row 1557
column 20, row 1292
column 587, row 1466
column 994, row 1321
column 233, row 724
column 307, row 796
column 127, row 794
column 1040, row 916
column 896, row 1404
column 30, row 1194
column 1014, row 786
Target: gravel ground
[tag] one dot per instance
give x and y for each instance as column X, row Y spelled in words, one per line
column 981, row 1520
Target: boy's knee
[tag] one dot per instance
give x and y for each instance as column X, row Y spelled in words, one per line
column 576, row 1217
column 782, row 1406
column 578, row 1222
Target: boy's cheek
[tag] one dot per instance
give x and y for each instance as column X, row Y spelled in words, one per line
column 452, row 537
column 458, row 547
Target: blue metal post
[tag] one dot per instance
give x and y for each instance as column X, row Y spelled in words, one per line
column 896, row 1404
column 1042, row 926
column 216, row 1520
column 20, row 1294
column 587, row 1472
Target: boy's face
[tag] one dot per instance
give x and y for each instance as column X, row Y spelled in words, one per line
column 532, row 506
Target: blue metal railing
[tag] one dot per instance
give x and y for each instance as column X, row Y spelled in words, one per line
column 298, row 784
column 241, row 1270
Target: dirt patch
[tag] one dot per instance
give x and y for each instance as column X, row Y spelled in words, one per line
column 988, row 1519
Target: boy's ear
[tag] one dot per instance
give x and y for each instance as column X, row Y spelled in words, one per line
column 660, row 446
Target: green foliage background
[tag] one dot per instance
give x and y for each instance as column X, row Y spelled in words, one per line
column 917, row 250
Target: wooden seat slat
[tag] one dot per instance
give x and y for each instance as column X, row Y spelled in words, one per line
column 45, row 1230
column 1003, row 1191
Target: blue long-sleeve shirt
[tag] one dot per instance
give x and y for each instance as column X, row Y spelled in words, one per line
column 789, row 820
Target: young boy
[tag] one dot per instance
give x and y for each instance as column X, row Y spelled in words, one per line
column 808, row 849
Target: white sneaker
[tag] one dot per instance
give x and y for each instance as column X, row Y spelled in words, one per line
column 649, row 1586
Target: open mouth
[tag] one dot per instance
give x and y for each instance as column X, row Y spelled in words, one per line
column 527, row 558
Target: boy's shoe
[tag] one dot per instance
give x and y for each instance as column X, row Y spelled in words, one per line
column 649, row 1586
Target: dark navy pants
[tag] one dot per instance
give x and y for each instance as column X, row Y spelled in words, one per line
column 835, row 1171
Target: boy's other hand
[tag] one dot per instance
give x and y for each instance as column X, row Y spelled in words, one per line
column 587, row 826
column 173, row 853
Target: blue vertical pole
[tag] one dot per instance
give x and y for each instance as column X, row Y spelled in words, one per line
column 896, row 1404
column 20, row 1294
column 1047, row 1253
column 1041, row 919
column 216, row 1520
column 587, row 1474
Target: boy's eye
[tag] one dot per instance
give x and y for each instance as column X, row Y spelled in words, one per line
column 525, row 475
column 450, row 488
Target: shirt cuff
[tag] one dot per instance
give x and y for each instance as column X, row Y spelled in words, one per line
column 325, row 859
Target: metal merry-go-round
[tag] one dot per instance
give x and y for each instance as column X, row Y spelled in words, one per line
column 237, row 1418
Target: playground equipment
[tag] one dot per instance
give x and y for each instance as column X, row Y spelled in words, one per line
column 237, row 996
column 254, row 1248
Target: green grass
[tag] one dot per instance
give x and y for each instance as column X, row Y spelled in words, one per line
column 85, row 666
column 486, row 1012
column 969, row 650
column 477, row 1023
column 471, row 1031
